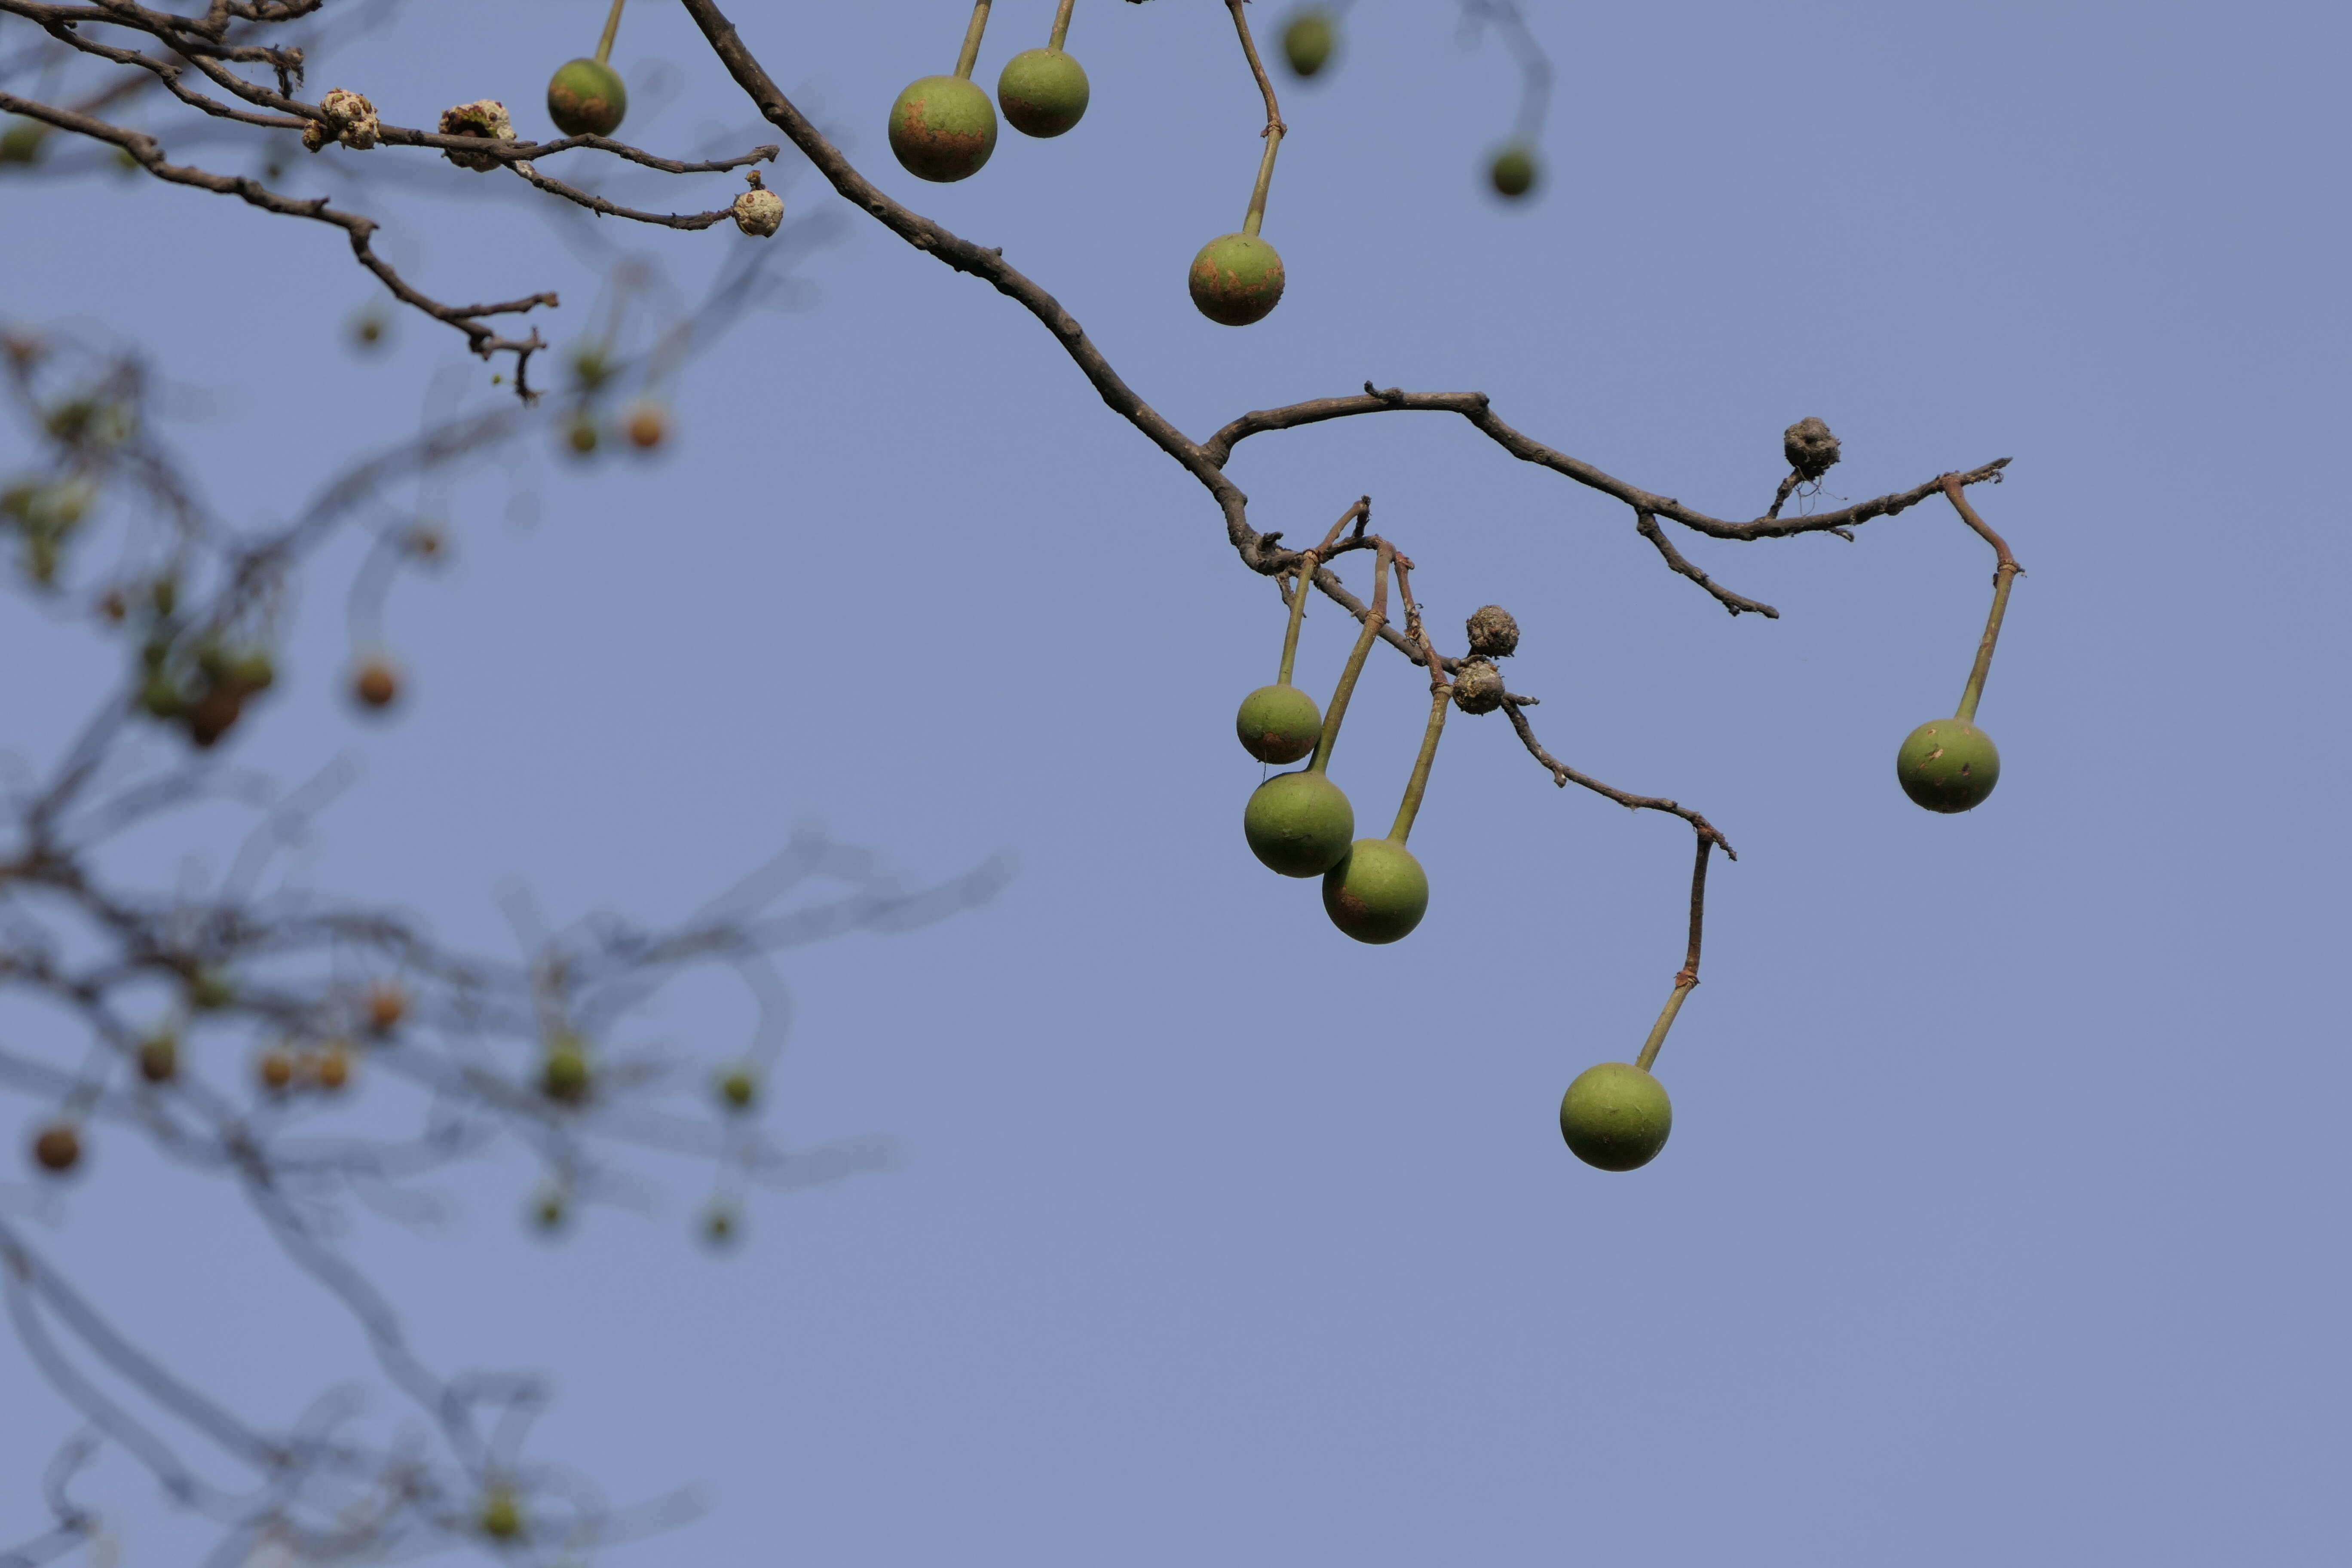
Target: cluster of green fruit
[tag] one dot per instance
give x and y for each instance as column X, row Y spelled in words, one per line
column 204, row 691
column 1308, row 42
column 1301, row 824
column 943, row 128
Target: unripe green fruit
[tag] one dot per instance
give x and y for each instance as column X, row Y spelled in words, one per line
column 585, row 97
column 942, row 128
column 159, row 1058
column 1278, row 723
column 1236, row 278
column 1513, row 172
column 1298, row 824
column 564, row 1075
column 1615, row 1117
column 1042, row 92
column 1307, row 41
column 1948, row 765
column 739, row 1089
column 21, row 143
column 161, row 697
column 501, row 1516
column 1377, row 894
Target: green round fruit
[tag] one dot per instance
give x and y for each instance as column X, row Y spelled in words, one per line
column 1278, row 723
column 1513, row 172
column 21, row 142
column 1042, row 92
column 1307, row 41
column 159, row 1058
column 501, row 1515
column 1236, row 278
column 1615, row 1117
column 1948, row 765
column 739, row 1089
column 1298, row 824
column 942, row 128
column 585, row 97
column 1377, row 894
column 564, row 1075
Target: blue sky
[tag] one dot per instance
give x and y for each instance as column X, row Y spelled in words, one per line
column 2003, row 1213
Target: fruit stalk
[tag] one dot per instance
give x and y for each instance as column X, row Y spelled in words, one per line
column 971, row 56
column 1298, row 589
column 1061, row 24
column 2003, row 575
column 1440, row 701
column 1274, row 126
column 612, row 28
column 1687, row 977
column 1374, row 619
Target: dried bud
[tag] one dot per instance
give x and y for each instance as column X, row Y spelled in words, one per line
column 1493, row 633
column 350, row 119
column 1809, row 447
column 1477, row 687
column 485, row 118
column 759, row 212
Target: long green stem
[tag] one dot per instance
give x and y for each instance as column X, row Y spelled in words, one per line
column 971, row 56
column 1441, row 699
column 2003, row 575
column 1300, row 588
column 1658, row 1030
column 1374, row 619
column 612, row 27
column 1274, row 126
column 1061, row 24
column 2001, row 578
column 1687, row 977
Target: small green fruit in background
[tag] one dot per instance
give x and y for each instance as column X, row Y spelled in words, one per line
column 1513, row 172
column 586, row 98
column 1948, row 765
column 1298, row 824
column 159, row 1058
column 550, row 1212
column 21, row 142
column 739, row 1089
column 501, row 1515
column 1377, row 894
column 582, row 435
column 1236, row 280
column 719, row 1225
column 564, row 1075
column 1615, row 1117
column 942, row 128
column 1307, row 42
column 1278, row 723
column 1042, row 92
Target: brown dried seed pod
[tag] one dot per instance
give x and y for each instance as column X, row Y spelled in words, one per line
column 1809, row 447
column 1477, row 687
column 1493, row 633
